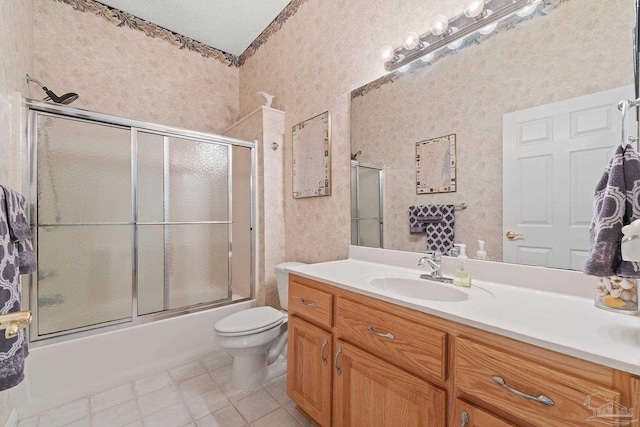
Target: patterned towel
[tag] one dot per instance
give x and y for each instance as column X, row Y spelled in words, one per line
column 16, row 257
column 616, row 204
column 438, row 221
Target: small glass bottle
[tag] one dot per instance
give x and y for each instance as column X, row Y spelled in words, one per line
column 462, row 276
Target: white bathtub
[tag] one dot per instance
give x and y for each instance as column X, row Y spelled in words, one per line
column 59, row 373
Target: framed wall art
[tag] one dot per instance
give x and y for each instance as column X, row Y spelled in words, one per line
column 312, row 157
column 436, row 165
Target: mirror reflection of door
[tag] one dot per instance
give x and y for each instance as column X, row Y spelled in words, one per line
column 366, row 205
column 553, row 157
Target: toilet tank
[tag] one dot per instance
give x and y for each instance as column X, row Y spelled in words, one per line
column 282, row 277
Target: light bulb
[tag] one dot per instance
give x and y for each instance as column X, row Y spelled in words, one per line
column 387, row 53
column 440, row 25
column 404, row 68
column 473, row 8
column 411, row 41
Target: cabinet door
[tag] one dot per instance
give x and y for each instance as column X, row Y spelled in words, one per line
column 370, row 392
column 467, row 415
column 309, row 369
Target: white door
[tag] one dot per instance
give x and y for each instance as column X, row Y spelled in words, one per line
column 553, row 157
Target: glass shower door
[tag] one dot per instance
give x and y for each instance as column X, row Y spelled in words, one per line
column 84, row 224
column 366, row 205
column 184, row 222
column 133, row 222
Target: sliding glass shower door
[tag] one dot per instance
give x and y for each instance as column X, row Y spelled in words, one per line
column 133, row 223
column 366, row 205
column 85, row 231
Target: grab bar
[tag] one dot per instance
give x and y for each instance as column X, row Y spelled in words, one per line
column 13, row 322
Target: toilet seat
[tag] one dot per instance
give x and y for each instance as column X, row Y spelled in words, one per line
column 249, row 322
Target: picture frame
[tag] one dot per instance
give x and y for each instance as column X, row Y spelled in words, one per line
column 436, row 165
column 311, row 146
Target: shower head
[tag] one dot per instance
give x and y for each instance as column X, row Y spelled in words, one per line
column 66, row 99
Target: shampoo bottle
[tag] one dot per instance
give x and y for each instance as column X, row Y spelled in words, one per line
column 462, row 276
column 481, row 254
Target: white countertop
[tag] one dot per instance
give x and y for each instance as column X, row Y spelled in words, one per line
column 564, row 323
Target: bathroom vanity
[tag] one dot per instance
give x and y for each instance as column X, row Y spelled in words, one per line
column 361, row 354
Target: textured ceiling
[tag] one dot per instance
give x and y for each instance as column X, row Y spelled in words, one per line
column 227, row 25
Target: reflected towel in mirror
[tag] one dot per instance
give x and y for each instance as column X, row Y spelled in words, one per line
column 617, row 203
column 437, row 221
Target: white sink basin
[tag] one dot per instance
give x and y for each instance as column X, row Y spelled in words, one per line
column 424, row 289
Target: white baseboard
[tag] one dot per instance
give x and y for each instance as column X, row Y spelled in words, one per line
column 12, row 421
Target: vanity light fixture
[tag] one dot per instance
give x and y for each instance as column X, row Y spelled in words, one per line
column 479, row 16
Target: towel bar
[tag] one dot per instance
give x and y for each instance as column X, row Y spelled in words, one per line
column 13, row 322
column 624, row 107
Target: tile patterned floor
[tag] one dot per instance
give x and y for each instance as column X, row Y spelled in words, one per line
column 194, row 395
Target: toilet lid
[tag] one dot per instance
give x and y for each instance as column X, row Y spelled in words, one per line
column 251, row 320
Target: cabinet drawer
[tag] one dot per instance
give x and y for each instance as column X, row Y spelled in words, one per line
column 311, row 304
column 414, row 347
column 504, row 381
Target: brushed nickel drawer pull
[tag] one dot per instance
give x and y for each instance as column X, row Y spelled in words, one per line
column 373, row 331
column 324, row 345
column 308, row 304
column 335, row 362
column 542, row 398
column 464, row 419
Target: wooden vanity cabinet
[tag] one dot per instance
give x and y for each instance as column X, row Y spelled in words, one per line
column 310, row 351
column 354, row 360
column 309, row 369
column 370, row 392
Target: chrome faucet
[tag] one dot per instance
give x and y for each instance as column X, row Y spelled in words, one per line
column 434, row 260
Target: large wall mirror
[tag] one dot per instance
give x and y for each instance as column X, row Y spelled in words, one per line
column 534, row 111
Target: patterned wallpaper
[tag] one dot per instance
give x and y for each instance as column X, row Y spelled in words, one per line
column 331, row 47
column 120, row 71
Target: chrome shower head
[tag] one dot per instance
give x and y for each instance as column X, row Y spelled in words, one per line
column 66, row 99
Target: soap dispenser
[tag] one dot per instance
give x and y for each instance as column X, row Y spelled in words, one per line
column 481, row 254
column 462, row 276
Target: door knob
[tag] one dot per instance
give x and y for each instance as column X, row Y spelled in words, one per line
column 511, row 235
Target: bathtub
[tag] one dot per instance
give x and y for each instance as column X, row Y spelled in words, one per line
column 59, row 373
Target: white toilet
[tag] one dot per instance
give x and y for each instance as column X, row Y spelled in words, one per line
column 257, row 336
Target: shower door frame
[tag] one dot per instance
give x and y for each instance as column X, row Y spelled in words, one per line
column 33, row 108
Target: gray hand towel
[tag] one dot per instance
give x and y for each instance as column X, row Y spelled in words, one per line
column 16, row 257
column 616, row 204
column 420, row 216
column 438, row 221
